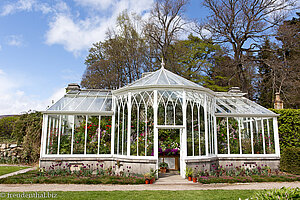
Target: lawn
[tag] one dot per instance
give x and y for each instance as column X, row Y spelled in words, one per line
column 198, row 194
column 248, row 179
column 10, row 169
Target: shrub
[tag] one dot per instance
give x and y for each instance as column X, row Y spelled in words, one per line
column 290, row 160
column 282, row 193
column 6, row 128
column 27, row 131
column 288, row 127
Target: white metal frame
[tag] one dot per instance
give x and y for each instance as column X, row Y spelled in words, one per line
column 181, row 93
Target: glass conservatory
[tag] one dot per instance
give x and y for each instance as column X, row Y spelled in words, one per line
column 161, row 117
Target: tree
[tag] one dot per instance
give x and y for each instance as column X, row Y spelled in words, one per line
column 195, row 59
column 165, row 24
column 220, row 77
column 265, row 85
column 118, row 60
column 278, row 66
column 288, row 73
column 240, row 22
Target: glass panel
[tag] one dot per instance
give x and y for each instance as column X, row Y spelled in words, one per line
column 67, row 123
column 246, row 136
column 79, row 134
column 122, row 127
column 202, row 131
column 53, row 130
column 117, row 129
column 92, row 135
column 96, row 104
column 170, row 113
column 257, row 137
column 222, row 135
column 209, row 133
column 73, row 104
column 85, row 104
column 125, row 128
column 107, row 105
column 150, row 80
column 196, row 130
column 178, row 114
column 61, row 103
column 161, row 114
column 121, row 131
column 233, row 135
column 269, row 135
column 189, row 129
column 169, row 108
column 105, row 135
column 162, row 80
column 141, row 131
column 212, row 130
column 150, row 131
column 134, row 128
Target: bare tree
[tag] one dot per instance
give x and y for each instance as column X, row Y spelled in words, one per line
column 241, row 24
column 166, row 22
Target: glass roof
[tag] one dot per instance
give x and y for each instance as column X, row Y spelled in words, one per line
column 163, row 77
column 239, row 105
column 84, row 101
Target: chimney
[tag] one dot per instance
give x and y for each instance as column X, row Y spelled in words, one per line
column 278, row 104
column 234, row 90
column 73, row 88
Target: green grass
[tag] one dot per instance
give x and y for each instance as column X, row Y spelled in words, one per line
column 247, row 179
column 34, row 177
column 10, row 169
column 185, row 194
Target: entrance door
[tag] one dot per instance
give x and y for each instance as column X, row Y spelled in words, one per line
column 169, row 145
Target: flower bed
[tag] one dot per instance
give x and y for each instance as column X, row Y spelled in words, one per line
column 86, row 174
column 241, row 174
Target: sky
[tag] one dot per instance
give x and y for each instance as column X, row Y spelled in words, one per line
column 43, row 45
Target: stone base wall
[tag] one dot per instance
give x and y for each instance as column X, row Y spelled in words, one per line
column 136, row 166
column 273, row 163
column 208, row 163
column 10, row 153
column 142, row 166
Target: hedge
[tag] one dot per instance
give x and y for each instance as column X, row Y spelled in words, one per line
column 290, row 160
column 288, row 127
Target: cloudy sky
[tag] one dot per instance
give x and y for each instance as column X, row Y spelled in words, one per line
column 43, row 44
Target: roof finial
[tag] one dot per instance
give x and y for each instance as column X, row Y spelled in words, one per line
column 162, row 63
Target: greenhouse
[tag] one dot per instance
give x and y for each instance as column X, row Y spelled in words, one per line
column 161, row 117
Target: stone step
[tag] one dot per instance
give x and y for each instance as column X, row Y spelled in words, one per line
column 171, row 179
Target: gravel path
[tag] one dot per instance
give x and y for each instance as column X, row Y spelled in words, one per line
column 22, row 171
column 18, row 165
column 80, row 187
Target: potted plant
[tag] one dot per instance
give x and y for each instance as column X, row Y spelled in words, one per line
column 194, row 177
column 189, row 173
column 152, row 175
column 147, row 178
column 163, row 167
